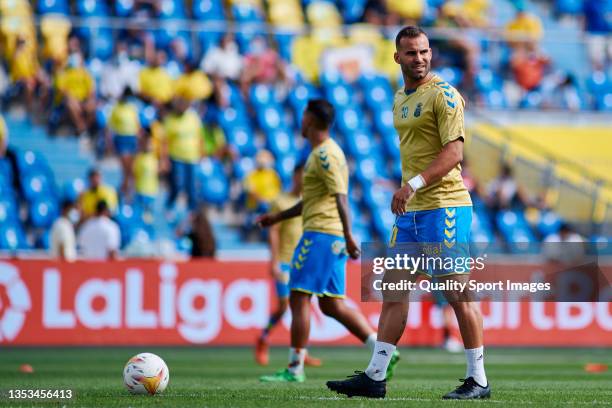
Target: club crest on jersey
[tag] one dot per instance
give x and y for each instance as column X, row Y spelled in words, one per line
column 417, row 111
column 404, row 112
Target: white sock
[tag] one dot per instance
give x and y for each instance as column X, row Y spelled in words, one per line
column 371, row 341
column 475, row 365
column 296, row 360
column 377, row 369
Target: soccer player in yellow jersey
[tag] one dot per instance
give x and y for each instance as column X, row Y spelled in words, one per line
column 282, row 238
column 146, row 174
column 319, row 260
column 432, row 207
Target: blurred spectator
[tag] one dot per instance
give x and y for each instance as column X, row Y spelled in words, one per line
column 410, row 12
column 504, row 192
column 124, row 125
column 200, row 232
column 155, row 84
column 561, row 92
column 223, row 61
column 99, row 238
column 146, row 174
column 565, row 234
column 376, row 13
column 263, row 65
column 96, row 192
column 26, row 73
column 119, row 73
column 528, row 68
column 62, row 236
column 215, row 144
column 193, row 85
column 262, row 185
column 177, row 57
column 598, row 27
column 8, row 153
column 183, row 136
column 3, row 137
column 55, row 29
column 525, row 30
column 75, row 89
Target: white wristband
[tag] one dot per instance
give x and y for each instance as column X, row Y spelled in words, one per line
column 416, row 182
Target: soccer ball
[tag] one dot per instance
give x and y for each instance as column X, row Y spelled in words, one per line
column 146, row 373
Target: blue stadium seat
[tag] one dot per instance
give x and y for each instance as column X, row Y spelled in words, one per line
column 43, row 240
column 231, row 117
column 572, row 7
column 360, row 145
column 241, row 137
column 549, row 223
column 487, row 81
column 6, row 171
column 29, row 161
column 208, row 39
column 172, row 9
column 370, row 168
column 285, row 165
column 124, row 8
column 246, row 13
column 262, row 95
column 377, row 92
column 243, row 166
column 284, row 43
column 298, row 99
column 452, row 75
column 245, row 38
column 12, row 237
column 213, row 185
column 339, row 95
column 515, row 230
column 53, row 6
column 43, row 212
column 72, row 189
column 208, row 10
column 280, row 142
column 352, row 10
column 8, row 210
column 91, row 8
column 270, row 117
column 36, row 185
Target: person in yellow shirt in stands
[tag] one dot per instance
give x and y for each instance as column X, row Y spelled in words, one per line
column 193, row 85
column 263, row 184
column 183, row 148
column 124, row 125
column 525, row 30
column 146, row 174
column 155, row 83
column 75, row 89
column 96, row 192
column 25, row 72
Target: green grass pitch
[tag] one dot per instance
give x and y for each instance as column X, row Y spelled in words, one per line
column 228, row 377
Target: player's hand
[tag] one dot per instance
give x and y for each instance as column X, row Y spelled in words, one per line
column 352, row 248
column 276, row 272
column 265, row 220
column 400, row 198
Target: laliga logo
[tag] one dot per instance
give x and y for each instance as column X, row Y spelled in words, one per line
column 12, row 316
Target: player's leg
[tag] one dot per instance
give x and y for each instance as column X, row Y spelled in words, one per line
column 353, row 320
column 455, row 224
column 282, row 294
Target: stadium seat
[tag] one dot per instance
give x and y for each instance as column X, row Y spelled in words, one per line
column 280, row 142
column 270, row 117
column 91, row 8
column 8, row 210
column 213, row 185
column 352, row 10
column 242, row 167
column 12, row 238
column 172, row 9
column 208, row 10
column 72, row 189
column 285, row 165
column 43, row 212
column 242, row 138
column 360, row 145
column 124, row 8
column 339, row 95
column 36, row 185
column 29, row 161
column 452, row 75
column 43, row 240
column 246, row 13
column 53, row 6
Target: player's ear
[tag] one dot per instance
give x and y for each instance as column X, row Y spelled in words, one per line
column 396, row 57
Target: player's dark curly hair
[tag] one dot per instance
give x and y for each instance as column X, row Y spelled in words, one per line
column 323, row 111
column 409, row 32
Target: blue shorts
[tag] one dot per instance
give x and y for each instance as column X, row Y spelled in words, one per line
column 282, row 286
column 319, row 265
column 445, row 228
column 125, row 145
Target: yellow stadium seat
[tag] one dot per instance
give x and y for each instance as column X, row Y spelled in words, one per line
column 306, row 53
column 323, row 14
column 286, row 14
column 55, row 30
column 364, row 34
column 412, row 9
column 15, row 8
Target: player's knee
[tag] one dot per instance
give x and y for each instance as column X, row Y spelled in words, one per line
column 330, row 308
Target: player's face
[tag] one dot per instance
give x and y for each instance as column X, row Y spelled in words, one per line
column 414, row 57
column 307, row 123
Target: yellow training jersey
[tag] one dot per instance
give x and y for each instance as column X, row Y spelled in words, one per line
column 90, row 198
column 124, row 120
column 146, row 179
column 426, row 120
column 183, row 134
column 290, row 230
column 325, row 174
column 75, row 82
column 194, row 86
column 155, row 83
column 24, row 66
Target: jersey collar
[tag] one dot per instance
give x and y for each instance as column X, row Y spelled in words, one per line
column 409, row 92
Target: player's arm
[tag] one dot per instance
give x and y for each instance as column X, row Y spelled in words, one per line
column 269, row 219
column 343, row 210
column 274, row 243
